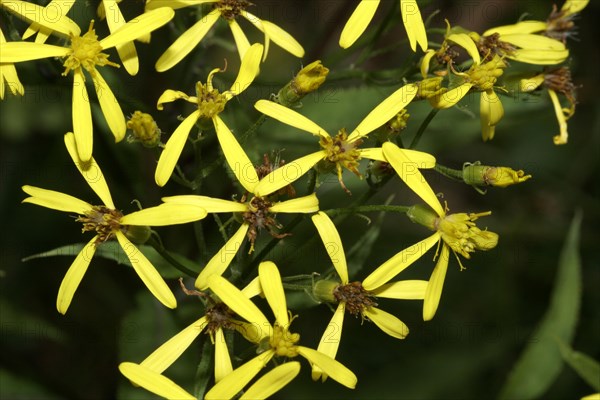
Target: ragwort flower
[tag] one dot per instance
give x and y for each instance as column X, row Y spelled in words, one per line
column 210, row 103
column 273, row 340
column 229, row 10
column 455, row 232
column 364, row 12
column 108, row 223
column 85, row 53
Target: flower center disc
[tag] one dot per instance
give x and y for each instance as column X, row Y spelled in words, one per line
column 355, row 296
column 230, row 9
column 86, row 52
column 103, row 220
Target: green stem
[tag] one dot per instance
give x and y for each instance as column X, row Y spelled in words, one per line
column 261, row 120
column 380, row 30
column 167, row 256
column 422, row 128
column 368, row 208
column 456, row 174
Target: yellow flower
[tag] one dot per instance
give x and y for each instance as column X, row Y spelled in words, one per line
column 555, row 81
column 339, row 150
column 273, row 340
column 456, row 232
column 229, row 10
column 8, row 76
column 108, row 222
column 210, row 104
column 85, row 53
column 266, row 386
column 360, row 298
column 364, row 12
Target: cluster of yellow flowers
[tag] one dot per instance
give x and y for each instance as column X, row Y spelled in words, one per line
column 447, row 76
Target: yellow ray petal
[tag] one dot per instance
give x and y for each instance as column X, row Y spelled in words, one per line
column 220, row 261
column 253, row 288
column 270, row 281
column 241, row 41
column 153, row 382
column 422, row 159
column 55, row 200
column 110, row 107
column 126, row 51
column 139, row 26
column 358, row 22
column 304, row 205
column 333, row 243
column 52, row 18
column 530, row 84
column 186, row 42
column 392, row 267
column 248, row 70
column 563, row 137
column 426, row 61
column 222, row 360
column 403, row 290
column 408, row 171
column 90, row 171
column 330, row 341
column 282, row 39
column 574, row 6
column 450, row 97
column 170, row 154
column 251, row 332
column 239, row 303
column 171, row 350
column 541, row 57
column 82, row 117
column 210, row 204
column 62, row 8
column 521, row 27
column 533, row 42
column 146, row 271
column 14, row 52
column 164, row 215
column 169, row 96
column 235, row 381
column 73, row 277
column 8, row 72
column 287, row 174
column 272, row 381
column 384, row 111
column 236, row 157
column 387, row 322
column 413, row 23
column 289, row 117
column 491, row 112
column 175, row 4
column 336, row 370
column 465, row 41
column 436, row 284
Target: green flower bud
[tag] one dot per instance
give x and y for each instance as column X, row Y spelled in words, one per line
column 143, row 129
column 309, row 79
column 483, row 175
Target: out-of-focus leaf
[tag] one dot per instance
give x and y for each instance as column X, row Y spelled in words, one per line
column 205, row 369
column 17, row 387
column 541, row 361
column 585, row 366
column 113, row 251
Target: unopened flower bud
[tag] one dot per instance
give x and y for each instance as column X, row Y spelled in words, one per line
column 483, row 175
column 138, row 234
column 323, row 290
column 463, row 236
column 143, row 129
column 308, row 79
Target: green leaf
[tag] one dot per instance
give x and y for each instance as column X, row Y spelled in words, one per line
column 113, row 251
column 541, row 361
column 585, row 366
column 204, row 372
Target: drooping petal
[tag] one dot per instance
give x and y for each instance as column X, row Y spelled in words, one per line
column 287, row 173
column 358, row 22
column 384, row 111
column 248, row 70
column 491, row 112
column 52, row 18
column 220, row 261
column 270, row 281
column 436, row 284
column 164, row 215
column 426, row 61
column 73, row 277
column 236, row 157
column 422, row 159
column 303, row 205
column 14, row 52
column 210, row 204
column 55, row 200
column 90, row 171
column 450, row 97
column 289, row 117
column 563, row 137
column 520, row 27
column 387, row 322
column 540, row 57
column 336, row 370
column 169, row 96
column 330, row 341
column 465, row 41
column 530, row 84
column 82, row 117
column 139, row 26
column 186, row 42
column 171, row 350
column 126, row 51
column 403, row 290
column 146, row 271
column 241, row 41
column 282, row 39
column 222, row 360
column 175, row 4
column 392, row 267
column 110, row 107
column 234, row 382
column 272, row 381
column 333, row 243
column 409, row 172
column 170, row 154
column 153, row 382
column 240, row 304
column 413, row 23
